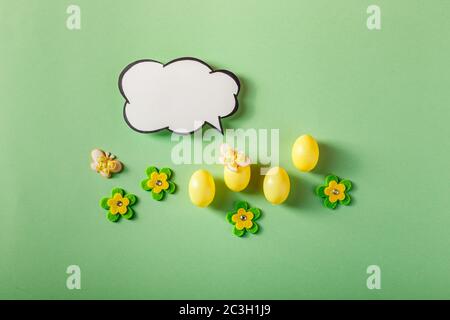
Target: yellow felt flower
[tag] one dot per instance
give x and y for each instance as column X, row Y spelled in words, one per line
column 243, row 219
column 118, row 204
column 335, row 191
column 158, row 182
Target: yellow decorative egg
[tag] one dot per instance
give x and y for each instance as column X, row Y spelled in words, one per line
column 201, row 188
column 237, row 180
column 276, row 185
column 305, row 153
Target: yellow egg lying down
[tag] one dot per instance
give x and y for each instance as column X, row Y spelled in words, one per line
column 305, row 153
column 201, row 188
column 276, row 185
column 237, row 181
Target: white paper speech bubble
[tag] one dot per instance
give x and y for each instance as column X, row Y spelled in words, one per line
column 180, row 95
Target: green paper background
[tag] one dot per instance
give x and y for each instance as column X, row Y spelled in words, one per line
column 377, row 101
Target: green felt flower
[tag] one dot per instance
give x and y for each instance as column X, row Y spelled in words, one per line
column 157, row 182
column 335, row 191
column 119, row 204
column 243, row 218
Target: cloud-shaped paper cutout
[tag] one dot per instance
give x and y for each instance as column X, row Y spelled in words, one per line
column 180, row 95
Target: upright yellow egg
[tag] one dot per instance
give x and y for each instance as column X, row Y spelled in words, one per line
column 305, row 153
column 276, row 185
column 237, row 180
column 201, row 188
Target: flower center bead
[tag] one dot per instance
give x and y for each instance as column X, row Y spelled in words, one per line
column 119, row 203
column 243, row 217
column 335, row 191
column 159, row 183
